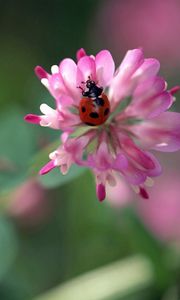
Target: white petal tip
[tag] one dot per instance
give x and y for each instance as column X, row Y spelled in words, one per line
column 54, row 69
column 45, row 82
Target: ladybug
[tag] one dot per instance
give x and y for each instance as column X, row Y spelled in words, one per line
column 94, row 107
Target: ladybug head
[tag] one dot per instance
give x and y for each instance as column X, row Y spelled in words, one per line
column 90, row 83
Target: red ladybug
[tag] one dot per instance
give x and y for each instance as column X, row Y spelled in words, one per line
column 94, row 107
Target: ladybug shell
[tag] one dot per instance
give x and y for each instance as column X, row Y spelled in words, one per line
column 94, row 111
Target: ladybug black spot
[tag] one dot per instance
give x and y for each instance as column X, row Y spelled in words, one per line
column 83, row 109
column 94, row 115
column 106, row 112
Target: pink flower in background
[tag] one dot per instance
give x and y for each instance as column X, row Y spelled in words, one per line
column 135, row 122
column 153, row 25
column 28, row 203
column 120, row 195
column 161, row 213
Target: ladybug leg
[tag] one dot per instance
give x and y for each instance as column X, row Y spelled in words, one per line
column 85, row 94
column 79, row 87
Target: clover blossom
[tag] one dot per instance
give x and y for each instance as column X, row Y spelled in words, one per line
column 138, row 120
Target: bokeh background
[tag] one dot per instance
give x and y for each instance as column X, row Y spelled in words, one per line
column 52, row 229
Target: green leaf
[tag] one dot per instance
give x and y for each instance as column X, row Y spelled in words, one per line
column 55, row 178
column 8, row 246
column 16, row 137
column 16, row 148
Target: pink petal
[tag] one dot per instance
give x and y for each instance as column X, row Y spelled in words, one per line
column 103, row 156
column 121, row 85
column 64, row 137
column 161, row 133
column 149, row 68
column 102, row 159
column 34, row 119
column 153, row 107
column 150, row 99
column 133, row 175
column 142, row 158
column 47, row 168
column 137, row 154
column 158, row 105
column 68, row 120
column 149, row 89
column 174, row 90
column 75, row 145
column 80, row 53
column 40, row 72
column 157, row 170
column 64, row 101
column 68, row 70
column 120, row 163
column 104, row 67
column 86, row 67
column 101, row 192
column 56, row 85
column 131, row 62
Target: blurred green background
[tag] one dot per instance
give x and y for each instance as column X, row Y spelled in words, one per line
column 53, row 229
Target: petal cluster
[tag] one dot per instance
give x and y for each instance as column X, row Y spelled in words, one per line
column 138, row 121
